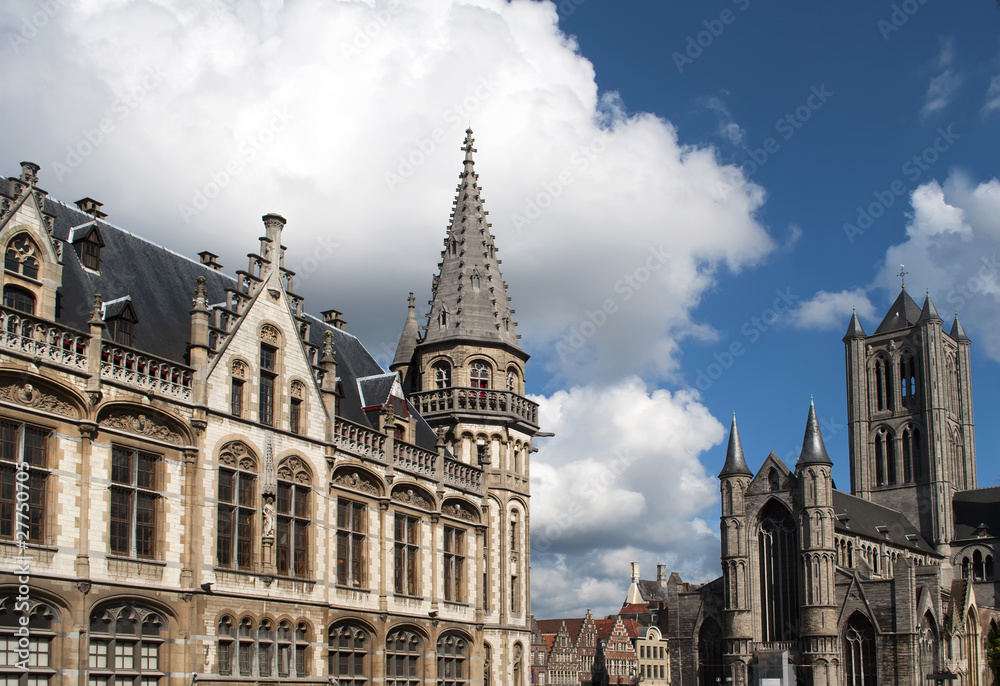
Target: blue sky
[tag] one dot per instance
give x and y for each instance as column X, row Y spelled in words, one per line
column 675, row 189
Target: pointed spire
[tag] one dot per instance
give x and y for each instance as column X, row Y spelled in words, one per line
column 735, row 462
column 409, row 338
column 469, row 297
column 813, row 450
column 854, row 329
column 957, row 332
column 903, row 314
column 929, row 312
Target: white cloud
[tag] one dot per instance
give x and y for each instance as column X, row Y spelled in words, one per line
column 832, row 310
column 347, row 117
column 621, row 480
column 952, row 250
column 945, row 83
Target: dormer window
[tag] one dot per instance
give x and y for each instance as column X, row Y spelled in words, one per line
column 87, row 242
column 120, row 318
column 120, row 330
column 22, row 257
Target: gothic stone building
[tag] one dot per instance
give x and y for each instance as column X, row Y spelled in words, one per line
column 886, row 585
column 199, row 481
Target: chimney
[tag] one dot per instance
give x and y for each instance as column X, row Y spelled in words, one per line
column 208, row 259
column 334, row 319
column 661, row 574
column 635, row 572
column 91, row 207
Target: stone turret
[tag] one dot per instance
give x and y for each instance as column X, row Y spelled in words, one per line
column 734, row 479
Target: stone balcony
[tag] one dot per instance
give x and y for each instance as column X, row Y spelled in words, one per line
column 473, row 402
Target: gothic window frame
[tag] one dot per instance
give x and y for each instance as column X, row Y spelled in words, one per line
column 296, row 406
column 240, row 499
column 22, row 257
column 884, row 454
column 515, row 561
column 117, row 656
column 453, row 550
column 884, row 385
column 349, row 654
column 442, row 374
column 453, row 654
column 19, row 299
column 778, row 556
column 406, row 553
column 513, row 380
column 352, row 543
column 225, row 646
column 137, row 502
column 404, row 660
column 908, row 379
column 237, row 388
column 480, row 374
column 860, row 651
column 910, row 442
column 267, row 383
column 19, row 454
column 293, row 518
column 42, row 620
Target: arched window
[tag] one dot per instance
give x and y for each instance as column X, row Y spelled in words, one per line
column 454, row 564
column 515, row 545
column 773, row 482
column 778, row 555
column 124, row 646
column 265, row 648
column 452, row 660
column 727, row 502
column 442, row 374
column 443, row 318
column 911, row 454
column 475, row 281
column 403, row 664
column 17, row 298
column 227, row 646
column 479, row 374
column 23, row 453
column 291, row 542
column 907, row 380
column 710, row 653
column 885, row 457
column 972, row 648
column 240, row 372
column 513, row 380
column 237, row 507
column 348, row 657
column 268, row 375
column 882, row 378
column 978, row 568
column 927, row 646
column 860, row 668
column 22, row 256
column 40, row 619
column 988, row 570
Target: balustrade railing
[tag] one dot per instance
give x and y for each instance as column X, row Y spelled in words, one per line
column 356, row 439
column 38, row 338
column 476, row 401
column 145, row 372
column 410, row 458
column 463, row 476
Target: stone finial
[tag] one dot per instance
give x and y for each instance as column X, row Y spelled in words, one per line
column 201, row 293
column 96, row 313
column 273, row 224
column 29, row 173
column 328, row 347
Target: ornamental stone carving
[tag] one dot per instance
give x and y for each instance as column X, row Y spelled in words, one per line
column 297, row 389
column 455, row 510
column 294, row 469
column 240, row 369
column 357, row 482
column 411, row 497
column 141, row 424
column 237, row 454
column 269, row 334
column 31, row 396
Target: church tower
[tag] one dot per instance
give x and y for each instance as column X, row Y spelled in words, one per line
column 734, row 479
column 818, row 617
column 910, row 422
column 465, row 375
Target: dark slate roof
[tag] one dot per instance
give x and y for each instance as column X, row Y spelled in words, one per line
column 813, row 450
column 735, row 462
column 651, row 590
column 972, row 508
column 854, row 329
column 929, row 312
column 957, row 332
column 375, row 390
column 409, row 338
column 161, row 285
column 904, row 313
column 865, row 518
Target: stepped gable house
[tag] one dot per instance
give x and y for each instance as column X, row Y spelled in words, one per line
column 886, row 585
column 200, row 481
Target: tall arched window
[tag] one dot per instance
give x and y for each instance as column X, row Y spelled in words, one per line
column 513, row 380
column 226, row 646
column 452, row 660
column 292, row 533
column 403, row 664
column 907, row 380
column 41, row 620
column 237, row 508
column 442, row 374
column 778, row 553
column 882, row 378
column 348, row 657
column 972, row 648
column 479, row 374
column 860, row 668
column 22, row 256
column 927, row 646
column 124, row 646
column 773, row 482
column 20, row 299
column 710, row 653
column 885, row 457
column 911, row 454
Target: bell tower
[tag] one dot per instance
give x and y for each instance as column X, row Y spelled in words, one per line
column 909, row 406
column 465, row 374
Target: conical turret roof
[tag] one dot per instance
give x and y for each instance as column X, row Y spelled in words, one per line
column 929, row 312
column 409, row 338
column 957, row 332
column 854, row 329
column 813, row 450
column 904, row 313
column 735, row 462
column 469, row 296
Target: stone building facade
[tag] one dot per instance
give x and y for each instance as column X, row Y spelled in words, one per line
column 887, row 585
column 199, row 481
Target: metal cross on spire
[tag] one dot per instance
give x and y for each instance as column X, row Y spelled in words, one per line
column 902, row 275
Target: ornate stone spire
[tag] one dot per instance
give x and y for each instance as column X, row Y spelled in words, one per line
column 469, row 296
column 957, row 332
column 854, row 329
column 813, row 450
column 735, row 462
column 929, row 312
